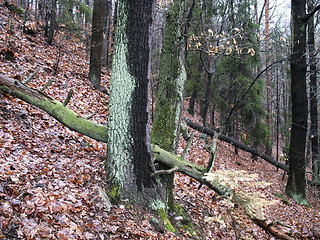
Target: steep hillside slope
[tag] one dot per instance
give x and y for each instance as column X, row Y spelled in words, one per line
column 51, row 178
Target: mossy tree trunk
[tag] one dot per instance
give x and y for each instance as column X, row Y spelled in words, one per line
column 129, row 150
column 165, row 129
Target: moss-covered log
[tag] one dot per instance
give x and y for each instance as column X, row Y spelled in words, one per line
column 190, row 169
column 53, row 107
column 99, row 132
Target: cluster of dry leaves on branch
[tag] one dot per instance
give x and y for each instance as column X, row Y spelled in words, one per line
column 50, row 176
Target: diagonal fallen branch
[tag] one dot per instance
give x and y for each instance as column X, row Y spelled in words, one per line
column 96, row 131
column 238, row 145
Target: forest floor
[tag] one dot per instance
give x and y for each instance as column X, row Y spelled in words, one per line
column 51, row 177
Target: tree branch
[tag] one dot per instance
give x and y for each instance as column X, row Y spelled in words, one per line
column 32, row 76
column 209, row 72
column 313, row 12
column 261, row 14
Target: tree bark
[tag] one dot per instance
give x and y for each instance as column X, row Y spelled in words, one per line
column 129, row 154
column 52, row 21
column 296, row 182
column 169, row 105
column 107, row 30
column 192, row 101
column 99, row 11
column 210, row 73
column 172, row 79
column 268, row 73
column 313, row 97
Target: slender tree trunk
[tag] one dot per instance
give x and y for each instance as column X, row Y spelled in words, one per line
column 268, row 62
column 209, row 75
column 52, row 21
column 113, row 28
column 296, row 181
column 278, row 115
column 256, row 11
column 313, row 97
column 207, row 100
column 99, row 11
column 129, row 150
column 194, row 95
column 106, row 30
column 192, row 101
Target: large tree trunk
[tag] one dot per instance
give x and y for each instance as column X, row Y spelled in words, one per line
column 99, row 11
column 172, row 79
column 129, row 154
column 296, row 181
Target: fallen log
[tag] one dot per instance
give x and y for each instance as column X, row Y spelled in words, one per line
column 54, row 108
column 238, row 144
column 224, row 184
column 272, row 230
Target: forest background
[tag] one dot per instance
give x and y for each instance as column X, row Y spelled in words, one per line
column 237, row 58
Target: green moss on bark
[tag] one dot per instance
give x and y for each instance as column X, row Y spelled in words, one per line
column 299, row 198
column 165, row 219
column 115, row 194
column 172, row 79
